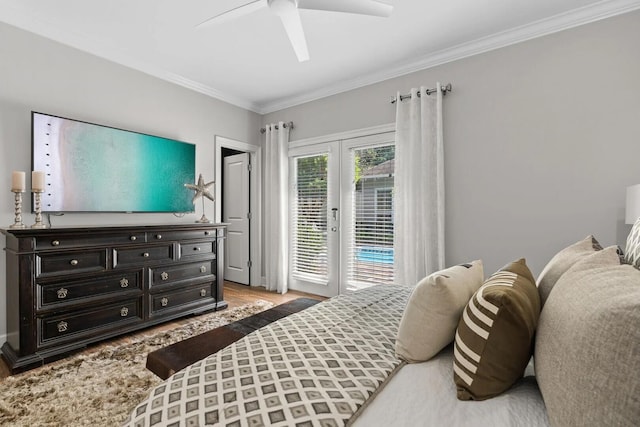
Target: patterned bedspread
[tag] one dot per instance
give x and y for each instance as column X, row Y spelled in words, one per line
column 317, row 367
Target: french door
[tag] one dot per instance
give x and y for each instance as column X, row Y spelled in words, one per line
column 342, row 213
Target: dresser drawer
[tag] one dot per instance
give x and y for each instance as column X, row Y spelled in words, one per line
column 126, row 257
column 183, row 235
column 168, row 301
column 166, row 275
column 68, row 262
column 195, row 249
column 57, row 294
column 80, row 323
column 65, row 241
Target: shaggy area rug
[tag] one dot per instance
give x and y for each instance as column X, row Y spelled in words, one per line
column 100, row 386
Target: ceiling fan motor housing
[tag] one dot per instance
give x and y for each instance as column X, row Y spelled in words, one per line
column 282, row 7
column 287, row 11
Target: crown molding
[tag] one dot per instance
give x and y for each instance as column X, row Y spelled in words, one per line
column 574, row 18
column 206, row 90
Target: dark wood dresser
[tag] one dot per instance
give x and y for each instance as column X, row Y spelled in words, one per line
column 69, row 287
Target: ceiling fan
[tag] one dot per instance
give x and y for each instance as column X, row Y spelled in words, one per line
column 287, row 10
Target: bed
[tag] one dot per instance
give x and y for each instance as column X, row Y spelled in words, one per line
column 336, row 363
column 331, row 364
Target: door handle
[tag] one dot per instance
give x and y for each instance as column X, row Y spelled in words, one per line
column 334, row 213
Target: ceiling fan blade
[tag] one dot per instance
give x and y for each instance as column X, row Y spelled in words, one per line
column 293, row 26
column 245, row 9
column 361, row 7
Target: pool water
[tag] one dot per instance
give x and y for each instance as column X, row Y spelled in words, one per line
column 379, row 254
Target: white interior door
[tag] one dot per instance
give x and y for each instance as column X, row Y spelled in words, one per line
column 235, row 212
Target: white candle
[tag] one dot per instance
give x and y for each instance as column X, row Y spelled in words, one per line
column 37, row 181
column 18, row 181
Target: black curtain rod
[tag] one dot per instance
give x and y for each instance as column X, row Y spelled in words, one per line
column 286, row 125
column 446, row 88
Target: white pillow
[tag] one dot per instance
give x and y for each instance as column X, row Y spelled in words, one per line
column 433, row 311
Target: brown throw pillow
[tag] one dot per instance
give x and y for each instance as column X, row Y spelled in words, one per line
column 587, row 355
column 431, row 317
column 494, row 340
column 562, row 261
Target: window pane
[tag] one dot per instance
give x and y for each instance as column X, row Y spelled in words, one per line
column 370, row 253
column 309, row 214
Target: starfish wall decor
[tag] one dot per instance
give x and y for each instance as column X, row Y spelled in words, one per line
column 202, row 190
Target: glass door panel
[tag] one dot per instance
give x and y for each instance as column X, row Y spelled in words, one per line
column 309, row 216
column 368, row 222
column 314, row 229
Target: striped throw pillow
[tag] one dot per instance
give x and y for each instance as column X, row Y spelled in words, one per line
column 494, row 340
column 632, row 250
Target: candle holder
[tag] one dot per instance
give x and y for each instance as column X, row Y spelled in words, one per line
column 17, row 223
column 203, row 219
column 38, row 210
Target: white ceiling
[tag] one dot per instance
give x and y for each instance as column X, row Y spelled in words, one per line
column 249, row 61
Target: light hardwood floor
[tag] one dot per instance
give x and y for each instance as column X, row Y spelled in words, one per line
column 234, row 294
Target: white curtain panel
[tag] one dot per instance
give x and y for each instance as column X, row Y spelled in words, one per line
column 276, row 197
column 419, row 187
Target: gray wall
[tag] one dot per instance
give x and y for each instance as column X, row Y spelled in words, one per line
column 541, row 139
column 41, row 75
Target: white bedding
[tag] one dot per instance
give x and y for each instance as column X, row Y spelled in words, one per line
column 424, row 394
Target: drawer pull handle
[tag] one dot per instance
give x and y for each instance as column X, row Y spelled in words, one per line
column 73, row 262
column 164, row 301
column 124, row 282
column 196, row 248
column 62, row 293
column 63, row 326
column 158, row 236
column 55, row 243
column 133, row 238
column 206, row 233
column 146, row 254
column 124, row 311
column 203, row 269
column 164, row 275
column 203, row 292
